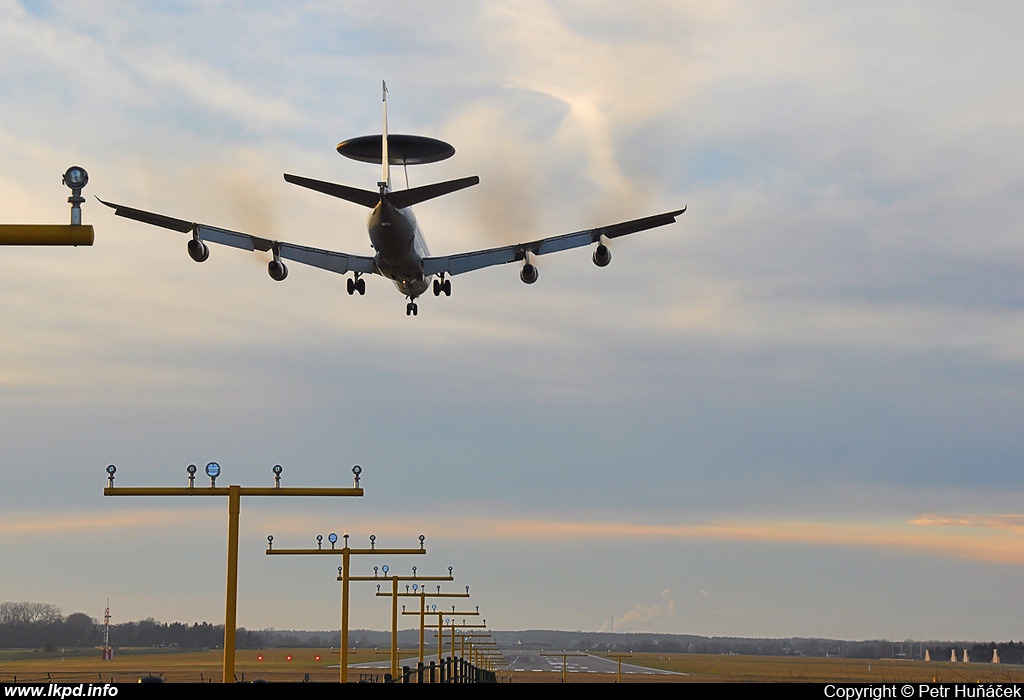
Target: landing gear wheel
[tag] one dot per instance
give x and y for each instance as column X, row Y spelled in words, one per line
column 351, row 286
column 446, row 287
column 410, row 309
column 437, row 288
column 360, row 285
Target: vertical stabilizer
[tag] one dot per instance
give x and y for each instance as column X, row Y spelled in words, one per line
column 385, row 177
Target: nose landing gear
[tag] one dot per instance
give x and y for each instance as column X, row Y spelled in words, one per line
column 411, row 309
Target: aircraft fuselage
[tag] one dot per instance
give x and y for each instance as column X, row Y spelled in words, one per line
column 396, row 237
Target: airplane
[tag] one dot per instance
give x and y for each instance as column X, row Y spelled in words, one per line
column 401, row 250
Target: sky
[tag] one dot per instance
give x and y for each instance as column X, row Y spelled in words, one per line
column 795, row 412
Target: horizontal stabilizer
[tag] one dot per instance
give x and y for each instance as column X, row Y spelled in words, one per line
column 366, row 198
column 406, row 198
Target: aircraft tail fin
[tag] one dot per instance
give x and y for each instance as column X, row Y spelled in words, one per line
column 406, row 198
column 385, row 179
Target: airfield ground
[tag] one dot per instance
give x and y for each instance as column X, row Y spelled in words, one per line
column 204, row 666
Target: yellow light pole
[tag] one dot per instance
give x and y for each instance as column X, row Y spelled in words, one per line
column 482, row 650
column 619, row 657
column 463, row 655
column 469, row 649
column 234, row 494
column 423, row 595
column 395, row 595
column 441, row 622
column 489, row 652
column 346, row 553
column 494, row 656
column 462, row 641
column 565, row 655
column 463, row 636
column 55, row 234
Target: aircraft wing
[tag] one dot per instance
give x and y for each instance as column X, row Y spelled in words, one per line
column 324, row 259
column 466, row 262
column 328, row 259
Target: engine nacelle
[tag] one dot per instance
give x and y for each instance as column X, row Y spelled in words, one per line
column 528, row 274
column 198, row 251
column 277, row 269
column 602, row 256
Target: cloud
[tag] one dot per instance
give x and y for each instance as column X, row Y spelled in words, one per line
column 66, row 523
column 1009, row 522
column 642, row 618
column 970, row 537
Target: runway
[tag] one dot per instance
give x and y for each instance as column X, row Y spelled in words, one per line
column 530, row 660
column 527, row 660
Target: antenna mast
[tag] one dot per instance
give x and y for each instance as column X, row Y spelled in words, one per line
column 108, row 653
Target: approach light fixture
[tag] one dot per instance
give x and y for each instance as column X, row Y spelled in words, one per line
column 213, row 471
column 75, row 178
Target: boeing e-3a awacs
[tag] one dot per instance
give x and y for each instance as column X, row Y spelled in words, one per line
column 401, row 251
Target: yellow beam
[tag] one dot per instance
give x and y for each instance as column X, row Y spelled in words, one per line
column 225, row 490
column 45, row 234
column 342, row 550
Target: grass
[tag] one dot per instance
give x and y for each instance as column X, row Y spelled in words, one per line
column 714, row 667
column 181, row 666
column 175, row 665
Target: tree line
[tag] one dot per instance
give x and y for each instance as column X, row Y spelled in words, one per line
column 42, row 626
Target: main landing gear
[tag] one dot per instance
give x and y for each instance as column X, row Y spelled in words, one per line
column 442, row 285
column 356, row 285
column 411, row 308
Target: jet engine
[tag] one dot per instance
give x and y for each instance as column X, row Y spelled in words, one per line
column 277, row 269
column 197, row 250
column 528, row 274
column 602, row 256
